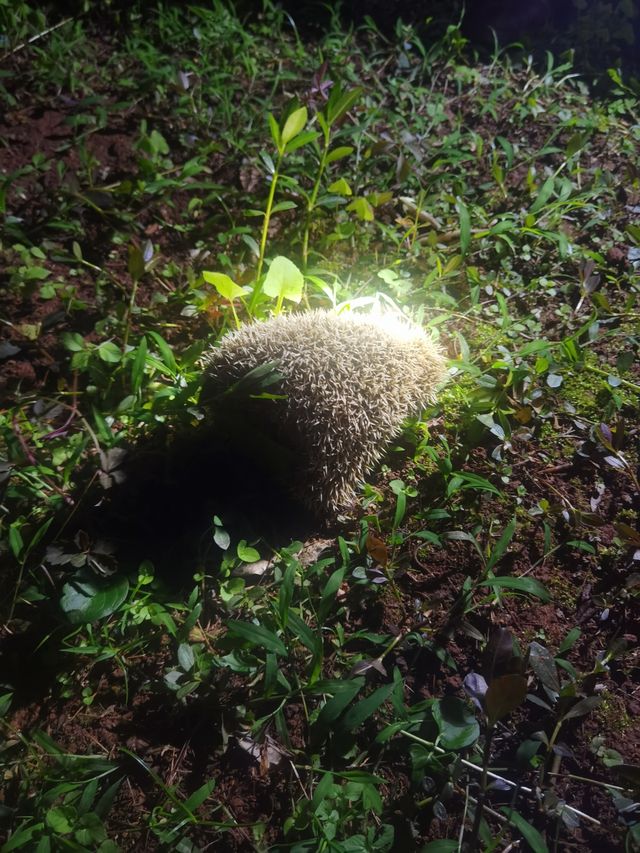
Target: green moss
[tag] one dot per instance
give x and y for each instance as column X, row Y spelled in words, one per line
column 613, row 713
column 549, row 443
column 591, row 395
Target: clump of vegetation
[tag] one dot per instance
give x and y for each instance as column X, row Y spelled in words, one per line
column 438, row 671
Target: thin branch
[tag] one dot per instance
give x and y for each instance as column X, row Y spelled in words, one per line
column 37, row 37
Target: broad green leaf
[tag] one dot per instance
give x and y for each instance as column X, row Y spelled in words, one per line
column 199, row 796
column 221, row 538
column 294, row 124
column 339, row 153
column 576, row 143
column 61, row 819
column 504, row 695
column 246, row 553
column 5, row 702
column 465, row 226
column 103, row 806
column 73, row 341
column 300, row 140
column 442, row 845
column 284, row 280
column 257, row 635
column 362, row 209
column 529, row 586
column 283, row 205
column 376, row 199
column 323, row 788
column 89, row 600
column 226, row 286
column 109, row 352
column 456, row 722
column 341, row 187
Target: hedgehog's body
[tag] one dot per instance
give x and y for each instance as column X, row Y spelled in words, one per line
column 349, row 381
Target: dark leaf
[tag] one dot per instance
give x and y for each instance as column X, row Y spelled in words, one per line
column 136, row 263
column 89, row 600
column 627, row 533
column 544, row 666
column 584, row 706
column 499, row 655
column 504, row 695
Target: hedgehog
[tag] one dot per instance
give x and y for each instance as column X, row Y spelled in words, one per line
column 344, row 385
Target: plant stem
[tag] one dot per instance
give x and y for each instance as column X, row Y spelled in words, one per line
column 265, row 231
column 313, row 197
column 132, row 302
column 622, row 381
column 486, row 757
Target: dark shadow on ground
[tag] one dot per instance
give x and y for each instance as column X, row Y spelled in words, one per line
column 169, row 491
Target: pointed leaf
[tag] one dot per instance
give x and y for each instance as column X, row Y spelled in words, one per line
column 544, row 666
column 275, row 130
column 501, row 545
column 339, row 153
column 136, row 263
column 504, row 695
column 543, row 196
column 465, row 226
column 341, row 102
column 294, row 124
column 257, row 635
column 530, row 586
column 365, row 708
column 226, row 286
column 584, row 706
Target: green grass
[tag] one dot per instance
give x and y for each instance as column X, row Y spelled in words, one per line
column 208, row 171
